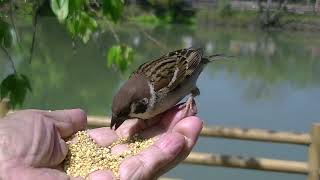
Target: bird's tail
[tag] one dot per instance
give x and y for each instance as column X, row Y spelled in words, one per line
column 216, row 57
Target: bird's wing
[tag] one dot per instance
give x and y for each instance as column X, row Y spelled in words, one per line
column 171, row 69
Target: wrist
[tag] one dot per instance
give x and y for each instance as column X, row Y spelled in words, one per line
column 6, row 162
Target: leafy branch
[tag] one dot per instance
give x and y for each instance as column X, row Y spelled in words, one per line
column 114, row 33
column 81, row 19
column 9, row 58
column 12, row 21
column 15, row 86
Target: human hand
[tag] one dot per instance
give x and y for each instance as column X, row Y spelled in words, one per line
column 40, row 148
column 175, row 136
column 32, row 144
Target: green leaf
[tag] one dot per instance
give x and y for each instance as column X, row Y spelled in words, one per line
column 60, row 8
column 113, row 55
column 6, row 36
column 26, row 82
column 15, row 86
column 112, row 9
column 3, row 2
column 121, row 56
column 81, row 25
column 76, row 5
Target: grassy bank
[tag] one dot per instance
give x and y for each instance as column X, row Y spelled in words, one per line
column 236, row 18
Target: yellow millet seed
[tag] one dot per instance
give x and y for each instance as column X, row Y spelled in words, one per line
column 86, row 156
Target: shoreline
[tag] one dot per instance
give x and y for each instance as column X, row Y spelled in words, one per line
column 250, row 20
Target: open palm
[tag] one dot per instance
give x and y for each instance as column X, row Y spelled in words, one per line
column 32, row 143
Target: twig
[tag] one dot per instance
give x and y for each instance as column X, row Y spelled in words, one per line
column 10, row 58
column 13, row 24
column 35, row 22
column 158, row 43
column 114, row 33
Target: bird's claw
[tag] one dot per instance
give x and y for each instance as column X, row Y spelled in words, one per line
column 189, row 107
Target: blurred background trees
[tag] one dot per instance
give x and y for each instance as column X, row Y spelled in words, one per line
column 85, row 20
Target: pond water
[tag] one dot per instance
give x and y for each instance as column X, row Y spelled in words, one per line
column 273, row 82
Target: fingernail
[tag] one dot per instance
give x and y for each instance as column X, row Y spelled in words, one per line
column 79, row 115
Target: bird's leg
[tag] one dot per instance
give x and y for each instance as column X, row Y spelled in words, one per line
column 195, row 92
column 189, row 106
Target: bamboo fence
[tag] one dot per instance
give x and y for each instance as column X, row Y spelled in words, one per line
column 310, row 140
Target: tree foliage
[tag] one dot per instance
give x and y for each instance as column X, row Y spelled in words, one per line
column 171, row 11
column 15, row 87
column 81, row 18
column 60, row 9
column 6, row 37
column 121, row 56
column 113, row 9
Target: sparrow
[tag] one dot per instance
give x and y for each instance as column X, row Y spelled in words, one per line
column 158, row 85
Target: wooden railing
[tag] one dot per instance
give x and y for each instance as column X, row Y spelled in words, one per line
column 310, row 140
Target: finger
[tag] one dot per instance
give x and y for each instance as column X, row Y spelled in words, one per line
column 39, row 174
column 68, row 122
column 168, row 121
column 57, row 149
column 164, row 120
column 129, row 127
column 103, row 136
column 119, row 149
column 149, row 161
column 190, row 128
column 101, row 175
column 174, row 115
column 170, row 117
column 133, row 126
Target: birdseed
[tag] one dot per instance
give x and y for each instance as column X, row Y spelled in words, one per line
column 86, row 156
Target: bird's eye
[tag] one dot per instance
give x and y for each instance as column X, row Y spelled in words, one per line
column 144, row 101
column 141, row 106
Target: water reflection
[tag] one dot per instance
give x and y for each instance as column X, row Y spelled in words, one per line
column 272, row 83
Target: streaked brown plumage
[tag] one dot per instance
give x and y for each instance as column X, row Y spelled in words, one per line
column 158, row 85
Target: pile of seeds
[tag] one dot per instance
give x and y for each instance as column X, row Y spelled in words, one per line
column 85, row 155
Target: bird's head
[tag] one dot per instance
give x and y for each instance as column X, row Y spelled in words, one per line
column 132, row 98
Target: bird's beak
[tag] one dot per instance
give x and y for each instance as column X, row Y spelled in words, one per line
column 117, row 121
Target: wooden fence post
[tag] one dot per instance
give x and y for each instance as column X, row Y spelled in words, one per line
column 4, row 107
column 314, row 152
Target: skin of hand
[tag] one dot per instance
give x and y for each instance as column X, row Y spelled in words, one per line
column 32, row 144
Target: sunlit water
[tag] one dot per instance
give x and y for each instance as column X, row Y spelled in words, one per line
column 273, row 82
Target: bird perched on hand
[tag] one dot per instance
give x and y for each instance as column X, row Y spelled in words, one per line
column 158, row 85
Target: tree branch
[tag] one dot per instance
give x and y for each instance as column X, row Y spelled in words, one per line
column 35, row 22
column 10, row 58
column 158, row 43
column 114, row 33
column 13, row 24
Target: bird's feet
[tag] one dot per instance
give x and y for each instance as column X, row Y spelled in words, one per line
column 195, row 92
column 189, row 107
